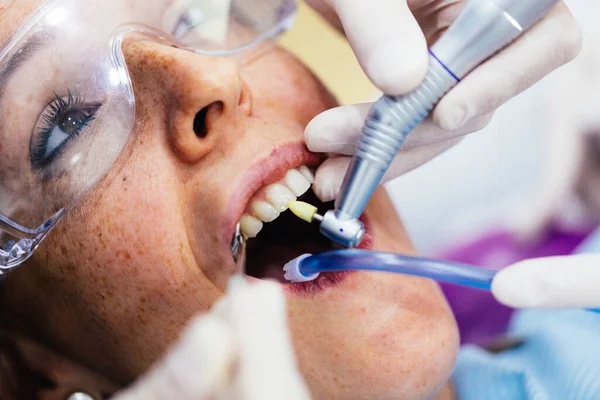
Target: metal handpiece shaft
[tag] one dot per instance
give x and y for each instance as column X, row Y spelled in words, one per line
column 483, row 28
column 389, row 121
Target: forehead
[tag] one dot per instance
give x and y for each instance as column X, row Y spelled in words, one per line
column 13, row 12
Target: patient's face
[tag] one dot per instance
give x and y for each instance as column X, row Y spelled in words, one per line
column 117, row 280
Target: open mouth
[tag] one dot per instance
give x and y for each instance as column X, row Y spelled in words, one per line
column 284, row 239
column 275, row 235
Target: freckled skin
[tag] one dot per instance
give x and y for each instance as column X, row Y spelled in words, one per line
column 117, row 280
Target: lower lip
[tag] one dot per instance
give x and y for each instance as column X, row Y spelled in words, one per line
column 327, row 280
column 323, row 282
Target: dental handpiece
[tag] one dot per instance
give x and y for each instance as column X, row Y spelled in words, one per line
column 482, row 29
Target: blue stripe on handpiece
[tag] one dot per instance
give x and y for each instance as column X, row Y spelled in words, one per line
column 444, row 66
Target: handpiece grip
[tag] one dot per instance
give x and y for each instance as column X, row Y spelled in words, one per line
column 482, row 29
column 389, row 121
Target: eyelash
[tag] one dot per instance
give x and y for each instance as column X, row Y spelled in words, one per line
column 51, row 117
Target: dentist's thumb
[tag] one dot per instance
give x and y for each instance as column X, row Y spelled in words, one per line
column 552, row 282
column 387, row 41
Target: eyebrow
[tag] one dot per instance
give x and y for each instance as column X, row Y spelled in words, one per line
column 24, row 53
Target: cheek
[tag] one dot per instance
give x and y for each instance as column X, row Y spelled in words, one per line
column 288, row 90
column 121, row 262
column 127, row 228
column 131, row 229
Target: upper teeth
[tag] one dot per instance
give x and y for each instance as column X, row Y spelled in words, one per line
column 268, row 204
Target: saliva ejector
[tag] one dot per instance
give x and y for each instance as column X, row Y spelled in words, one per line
column 309, row 267
column 483, row 28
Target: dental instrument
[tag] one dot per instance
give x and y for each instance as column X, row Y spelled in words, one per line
column 238, row 248
column 482, row 29
column 308, row 267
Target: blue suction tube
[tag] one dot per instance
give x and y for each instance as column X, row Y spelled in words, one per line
column 366, row 260
column 442, row 271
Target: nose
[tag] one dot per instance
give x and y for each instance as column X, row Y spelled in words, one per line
column 194, row 93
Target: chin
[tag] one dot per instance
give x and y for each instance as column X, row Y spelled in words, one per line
column 375, row 337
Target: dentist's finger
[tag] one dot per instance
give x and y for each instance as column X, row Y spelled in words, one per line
column 337, row 130
column 267, row 366
column 552, row 282
column 330, row 174
column 387, row 40
column 554, row 41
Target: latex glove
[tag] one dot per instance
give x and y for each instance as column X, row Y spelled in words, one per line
column 241, row 350
column 553, row 282
column 390, row 39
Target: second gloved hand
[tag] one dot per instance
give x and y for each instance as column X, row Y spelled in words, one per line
column 390, row 40
column 552, row 282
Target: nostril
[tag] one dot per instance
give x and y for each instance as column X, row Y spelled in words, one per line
column 200, row 120
column 200, row 123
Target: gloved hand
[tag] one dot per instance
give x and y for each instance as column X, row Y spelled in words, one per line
column 390, row 39
column 241, row 350
column 553, row 282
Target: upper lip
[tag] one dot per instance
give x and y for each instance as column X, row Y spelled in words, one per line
column 265, row 171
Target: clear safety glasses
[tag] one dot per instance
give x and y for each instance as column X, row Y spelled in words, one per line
column 67, row 105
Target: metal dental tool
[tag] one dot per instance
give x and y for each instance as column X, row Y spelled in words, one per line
column 238, row 248
column 483, row 28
